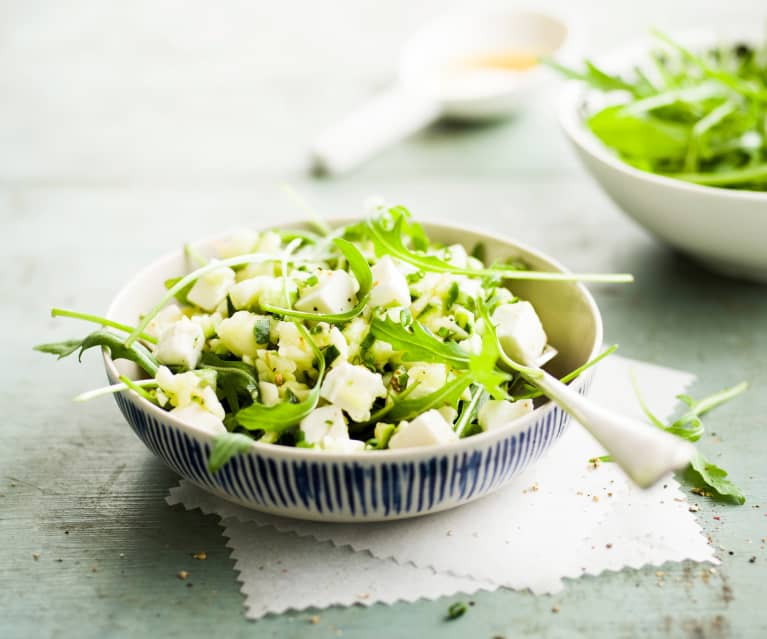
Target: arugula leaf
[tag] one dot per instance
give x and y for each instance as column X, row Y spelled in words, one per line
column 418, row 345
column 359, row 267
column 262, row 330
column 689, row 426
column 469, row 411
column 703, row 472
column 594, row 76
column 643, row 136
column 226, row 446
column 62, row 349
column 388, row 240
column 87, row 317
column 285, row 415
column 235, row 379
column 484, row 366
column 117, row 349
column 449, row 395
column 182, row 292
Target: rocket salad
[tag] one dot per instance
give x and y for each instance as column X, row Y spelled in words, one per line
column 696, row 116
column 366, row 338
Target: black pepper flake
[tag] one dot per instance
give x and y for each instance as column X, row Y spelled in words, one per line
column 752, row 560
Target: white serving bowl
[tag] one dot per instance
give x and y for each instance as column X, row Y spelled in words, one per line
column 725, row 229
column 370, row 486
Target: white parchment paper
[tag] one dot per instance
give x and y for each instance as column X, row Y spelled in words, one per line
column 563, row 518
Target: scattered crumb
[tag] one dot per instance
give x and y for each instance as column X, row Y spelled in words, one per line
column 660, row 573
column 35, row 556
column 122, row 555
column 533, row 489
column 595, row 462
column 13, row 484
column 701, row 492
column 94, row 568
column 579, row 493
column 694, row 508
column 752, row 560
column 608, row 546
column 449, row 533
column 609, row 494
column 595, row 498
column 314, row 619
column 189, row 584
column 363, row 595
column 182, row 574
column 717, row 517
column 555, row 609
column 200, row 556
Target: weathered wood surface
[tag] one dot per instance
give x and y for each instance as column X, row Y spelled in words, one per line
column 126, row 128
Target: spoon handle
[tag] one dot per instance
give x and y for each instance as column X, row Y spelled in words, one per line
column 644, row 452
column 386, row 119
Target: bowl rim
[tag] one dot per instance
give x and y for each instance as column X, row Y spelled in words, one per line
column 572, row 123
column 512, row 427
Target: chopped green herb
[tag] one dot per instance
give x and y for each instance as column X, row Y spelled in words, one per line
column 457, row 609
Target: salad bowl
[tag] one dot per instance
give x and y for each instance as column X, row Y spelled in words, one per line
column 725, row 229
column 371, row 485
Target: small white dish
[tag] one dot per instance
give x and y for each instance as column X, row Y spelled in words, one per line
column 472, row 65
column 381, row 485
column 725, row 229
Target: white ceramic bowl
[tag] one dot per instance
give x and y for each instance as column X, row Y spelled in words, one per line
column 725, row 229
column 370, row 486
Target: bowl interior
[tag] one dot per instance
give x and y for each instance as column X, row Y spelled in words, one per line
column 567, row 310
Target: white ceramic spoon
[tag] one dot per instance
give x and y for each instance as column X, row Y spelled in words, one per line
column 644, row 452
column 454, row 68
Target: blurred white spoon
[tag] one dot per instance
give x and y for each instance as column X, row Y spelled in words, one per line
column 468, row 66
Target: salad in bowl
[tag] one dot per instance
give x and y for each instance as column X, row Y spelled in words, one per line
column 361, row 341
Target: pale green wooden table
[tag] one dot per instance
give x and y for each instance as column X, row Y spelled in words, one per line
column 128, row 127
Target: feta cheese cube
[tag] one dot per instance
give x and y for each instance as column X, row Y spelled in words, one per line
column 427, row 429
column 520, row 331
column 389, row 284
column 210, row 289
column 354, row 389
column 196, row 415
column 336, row 338
column 327, row 421
column 181, row 344
column 336, row 292
column 167, row 316
column 270, row 394
column 262, row 289
column 429, row 377
column 342, row 445
column 238, row 333
column 496, row 413
column 293, row 345
column 241, row 242
column 208, row 323
column 457, row 255
column 188, row 388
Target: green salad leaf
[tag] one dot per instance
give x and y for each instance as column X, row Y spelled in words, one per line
column 136, row 352
column 418, row 344
column 226, row 446
column 689, row 426
column 696, row 116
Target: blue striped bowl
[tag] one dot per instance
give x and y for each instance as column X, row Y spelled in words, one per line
column 371, row 486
